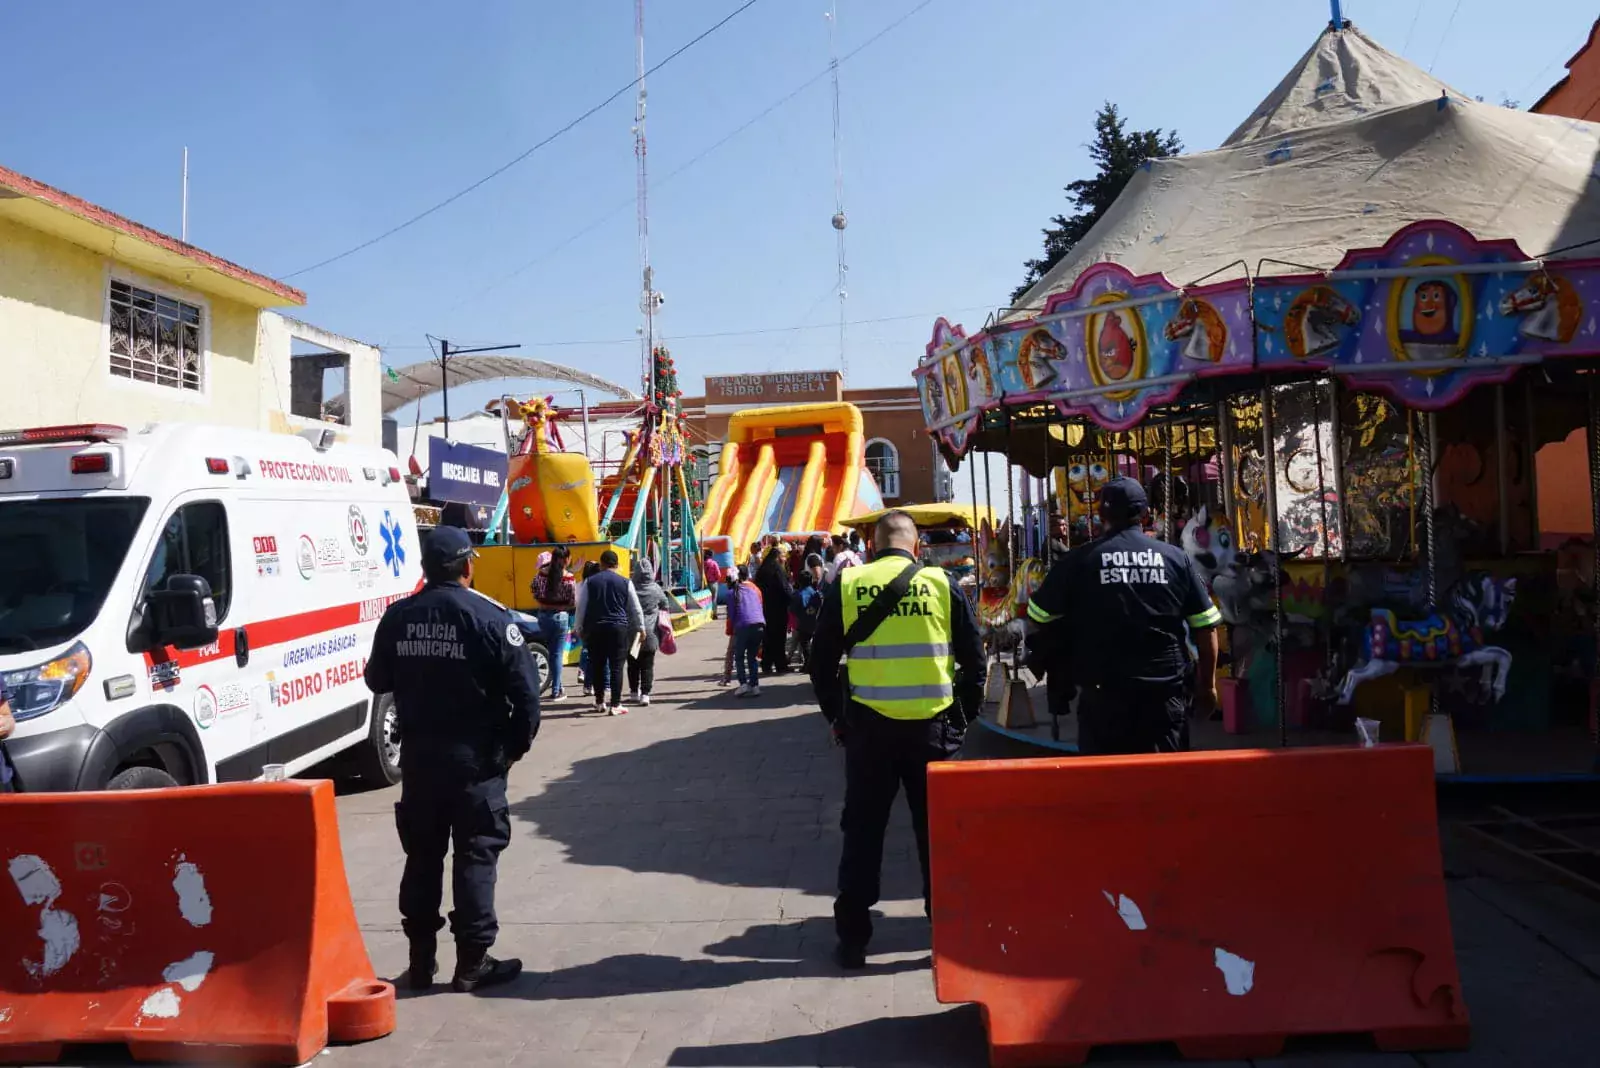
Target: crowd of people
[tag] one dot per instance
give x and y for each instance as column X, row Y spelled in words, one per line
column 774, row 603
column 621, row 623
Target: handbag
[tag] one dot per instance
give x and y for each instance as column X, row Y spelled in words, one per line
column 665, row 638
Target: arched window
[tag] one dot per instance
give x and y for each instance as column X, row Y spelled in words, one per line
column 883, row 460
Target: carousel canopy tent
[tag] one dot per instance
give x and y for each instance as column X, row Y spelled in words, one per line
column 1353, row 144
column 406, row 384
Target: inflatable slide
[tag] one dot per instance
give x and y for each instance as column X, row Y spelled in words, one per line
column 791, row 470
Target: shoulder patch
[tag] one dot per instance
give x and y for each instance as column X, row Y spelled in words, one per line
column 514, row 634
column 486, row 597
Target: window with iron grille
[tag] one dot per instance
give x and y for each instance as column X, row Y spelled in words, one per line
column 155, row 339
column 883, row 460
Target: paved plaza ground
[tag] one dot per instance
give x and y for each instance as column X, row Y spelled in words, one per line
column 669, row 884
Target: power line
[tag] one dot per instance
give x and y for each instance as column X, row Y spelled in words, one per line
column 702, row 154
column 1451, row 21
column 755, row 332
column 452, row 198
column 1412, row 28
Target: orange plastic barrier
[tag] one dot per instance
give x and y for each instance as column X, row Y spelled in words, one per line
column 1221, row 901
column 209, row 923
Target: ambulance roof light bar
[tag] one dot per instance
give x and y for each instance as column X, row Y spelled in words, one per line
column 55, row 435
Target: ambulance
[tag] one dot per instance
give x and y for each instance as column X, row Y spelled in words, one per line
column 188, row 604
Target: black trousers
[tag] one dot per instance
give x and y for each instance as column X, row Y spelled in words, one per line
column 1133, row 718
column 438, row 809
column 642, row 671
column 775, row 647
column 881, row 755
column 608, row 651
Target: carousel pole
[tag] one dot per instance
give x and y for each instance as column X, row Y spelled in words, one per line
column 1594, row 512
column 1270, row 451
column 1336, row 428
column 1166, row 490
column 1225, row 462
column 1501, row 465
column 1530, row 473
column 1430, row 491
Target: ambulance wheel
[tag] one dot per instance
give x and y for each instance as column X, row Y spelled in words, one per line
column 541, row 664
column 141, row 778
column 378, row 762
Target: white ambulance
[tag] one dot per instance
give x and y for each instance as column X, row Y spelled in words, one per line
column 187, row 604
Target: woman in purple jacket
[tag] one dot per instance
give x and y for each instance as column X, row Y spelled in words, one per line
column 746, row 619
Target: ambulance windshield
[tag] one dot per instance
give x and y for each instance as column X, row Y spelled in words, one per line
column 58, row 559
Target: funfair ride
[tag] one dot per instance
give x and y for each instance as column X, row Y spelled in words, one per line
column 1337, row 407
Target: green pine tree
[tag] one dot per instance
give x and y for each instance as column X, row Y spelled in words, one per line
column 1118, row 154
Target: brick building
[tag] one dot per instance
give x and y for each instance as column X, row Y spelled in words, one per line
column 899, row 452
column 1577, row 95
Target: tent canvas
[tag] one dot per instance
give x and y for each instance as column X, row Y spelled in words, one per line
column 1352, row 145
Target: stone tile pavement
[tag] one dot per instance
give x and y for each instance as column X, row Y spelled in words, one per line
column 669, row 889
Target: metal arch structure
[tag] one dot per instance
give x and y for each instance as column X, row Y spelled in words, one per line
column 405, row 385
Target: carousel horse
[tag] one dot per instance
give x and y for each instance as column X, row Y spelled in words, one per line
column 1548, row 305
column 1479, row 605
column 1208, row 540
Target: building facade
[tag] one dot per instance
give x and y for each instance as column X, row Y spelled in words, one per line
column 1577, row 94
column 899, row 452
column 105, row 320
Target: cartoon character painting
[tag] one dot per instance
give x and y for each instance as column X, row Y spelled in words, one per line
column 981, row 374
column 1433, row 331
column 1315, row 321
column 1549, row 306
column 1114, row 349
column 955, row 384
column 1035, row 358
column 933, row 397
column 1202, row 325
column 1086, row 476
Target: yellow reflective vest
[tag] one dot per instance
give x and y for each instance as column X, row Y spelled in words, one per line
column 905, row 668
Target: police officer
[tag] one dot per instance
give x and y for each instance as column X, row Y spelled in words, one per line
column 1120, row 607
column 467, row 696
column 914, row 681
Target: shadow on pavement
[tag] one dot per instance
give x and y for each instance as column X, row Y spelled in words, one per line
column 648, row 973
column 746, row 804
column 954, row 1037
column 812, row 938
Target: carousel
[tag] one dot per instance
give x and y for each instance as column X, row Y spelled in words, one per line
column 1354, row 356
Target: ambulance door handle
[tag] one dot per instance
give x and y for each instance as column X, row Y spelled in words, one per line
column 241, row 647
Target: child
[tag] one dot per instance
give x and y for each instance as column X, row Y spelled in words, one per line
column 591, row 568
column 747, row 624
column 807, row 607
column 713, row 572
column 731, row 584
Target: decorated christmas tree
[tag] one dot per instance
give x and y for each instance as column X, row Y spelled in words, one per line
column 666, row 381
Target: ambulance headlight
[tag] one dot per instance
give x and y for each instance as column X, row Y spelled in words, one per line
column 36, row 690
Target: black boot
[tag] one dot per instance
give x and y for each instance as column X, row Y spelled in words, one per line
column 850, row 957
column 475, row 968
column 424, row 964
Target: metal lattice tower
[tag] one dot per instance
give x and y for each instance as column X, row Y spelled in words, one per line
column 839, row 219
column 647, row 295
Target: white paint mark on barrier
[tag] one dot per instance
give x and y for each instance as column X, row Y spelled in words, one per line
column 5, row 1014
column 37, row 883
column 193, row 901
column 1127, row 910
column 163, row 1004
column 190, row 972
column 1238, row 973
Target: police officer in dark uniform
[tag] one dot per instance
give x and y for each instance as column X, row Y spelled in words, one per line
column 914, row 682
column 467, row 696
column 1121, row 608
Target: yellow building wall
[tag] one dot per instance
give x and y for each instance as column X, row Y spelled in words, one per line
column 54, row 353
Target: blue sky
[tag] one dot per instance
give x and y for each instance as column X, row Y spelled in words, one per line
column 314, row 126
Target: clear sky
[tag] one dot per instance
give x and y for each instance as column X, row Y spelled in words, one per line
column 313, row 126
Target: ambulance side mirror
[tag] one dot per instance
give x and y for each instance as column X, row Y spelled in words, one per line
column 182, row 613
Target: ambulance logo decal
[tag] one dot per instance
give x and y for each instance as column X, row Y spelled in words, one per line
column 394, row 553
column 358, row 531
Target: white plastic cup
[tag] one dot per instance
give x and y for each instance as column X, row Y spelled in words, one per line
column 273, row 773
column 1367, row 731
